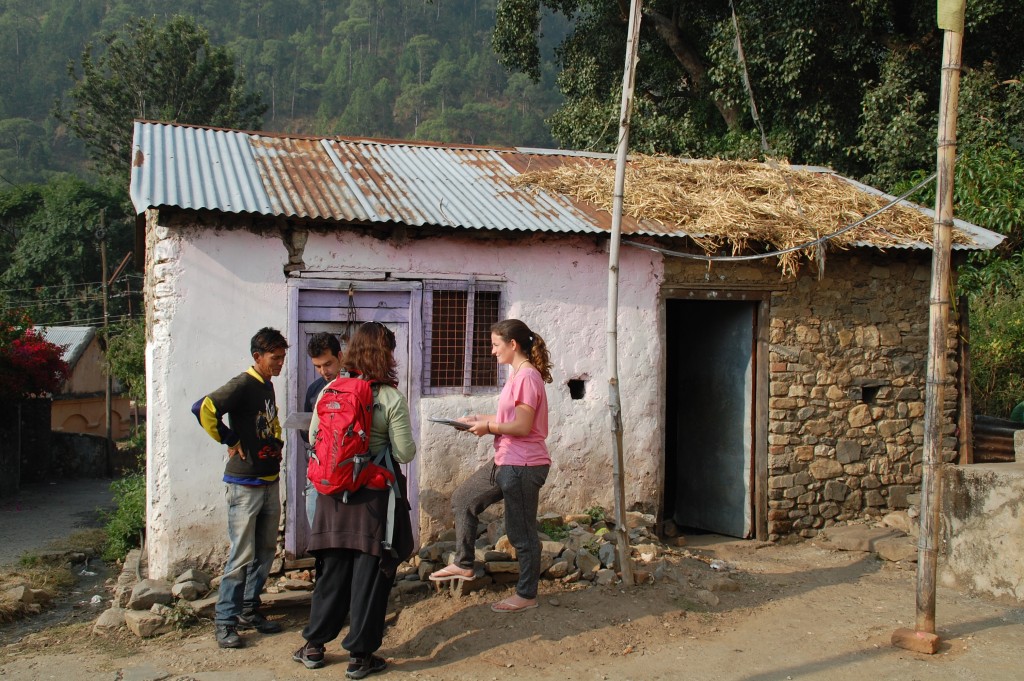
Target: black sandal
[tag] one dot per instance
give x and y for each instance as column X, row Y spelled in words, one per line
column 361, row 667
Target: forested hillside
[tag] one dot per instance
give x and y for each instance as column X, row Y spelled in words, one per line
column 410, row 69
column 853, row 86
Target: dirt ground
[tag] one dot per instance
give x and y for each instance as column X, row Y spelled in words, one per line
column 798, row 611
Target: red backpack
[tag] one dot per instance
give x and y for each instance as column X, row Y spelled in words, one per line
column 341, row 459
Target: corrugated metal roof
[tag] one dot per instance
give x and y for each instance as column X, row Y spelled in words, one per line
column 73, row 339
column 983, row 239
column 376, row 181
column 334, row 179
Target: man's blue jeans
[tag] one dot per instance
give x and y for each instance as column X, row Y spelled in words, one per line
column 254, row 514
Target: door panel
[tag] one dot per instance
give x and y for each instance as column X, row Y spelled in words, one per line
column 709, row 415
column 329, row 310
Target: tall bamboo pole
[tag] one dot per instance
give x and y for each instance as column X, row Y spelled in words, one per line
column 939, row 306
column 614, row 401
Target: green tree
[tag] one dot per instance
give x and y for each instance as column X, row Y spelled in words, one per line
column 24, row 151
column 813, row 68
column 171, row 73
column 997, row 341
column 53, row 268
column 126, row 352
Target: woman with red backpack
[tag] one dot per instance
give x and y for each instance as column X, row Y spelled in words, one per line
column 350, row 532
column 520, row 467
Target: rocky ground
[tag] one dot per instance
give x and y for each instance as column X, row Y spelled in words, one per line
column 720, row 609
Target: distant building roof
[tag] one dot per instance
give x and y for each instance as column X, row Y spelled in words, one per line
column 378, row 181
column 73, row 339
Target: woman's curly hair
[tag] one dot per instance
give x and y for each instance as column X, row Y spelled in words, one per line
column 371, row 354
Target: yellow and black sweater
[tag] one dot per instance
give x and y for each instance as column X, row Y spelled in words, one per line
column 251, row 407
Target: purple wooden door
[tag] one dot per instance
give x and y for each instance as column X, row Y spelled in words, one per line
column 330, row 310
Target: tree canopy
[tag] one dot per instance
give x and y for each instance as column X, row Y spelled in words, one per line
column 49, row 248
column 405, row 69
column 850, row 85
column 126, row 353
column 168, row 72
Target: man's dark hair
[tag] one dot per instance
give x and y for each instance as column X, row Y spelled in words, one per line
column 267, row 340
column 319, row 343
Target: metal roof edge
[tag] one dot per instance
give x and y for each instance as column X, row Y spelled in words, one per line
column 984, row 239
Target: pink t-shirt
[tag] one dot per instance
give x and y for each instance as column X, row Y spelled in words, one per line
column 526, row 387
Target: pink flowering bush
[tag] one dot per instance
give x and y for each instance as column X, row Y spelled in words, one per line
column 29, row 364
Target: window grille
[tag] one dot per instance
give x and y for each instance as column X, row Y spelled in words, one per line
column 457, row 353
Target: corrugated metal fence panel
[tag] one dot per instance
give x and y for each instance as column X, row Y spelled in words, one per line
column 195, row 168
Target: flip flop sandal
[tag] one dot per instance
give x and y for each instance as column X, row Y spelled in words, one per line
column 508, row 606
column 447, row 574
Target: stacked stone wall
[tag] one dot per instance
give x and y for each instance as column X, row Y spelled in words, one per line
column 848, row 359
column 847, row 365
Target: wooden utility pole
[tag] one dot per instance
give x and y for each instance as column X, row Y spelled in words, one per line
column 614, row 401
column 106, row 323
column 923, row 638
column 107, row 284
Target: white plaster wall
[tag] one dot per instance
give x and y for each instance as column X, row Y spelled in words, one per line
column 982, row 530
column 212, row 290
column 558, row 285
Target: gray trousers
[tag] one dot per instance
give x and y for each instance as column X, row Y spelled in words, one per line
column 520, row 487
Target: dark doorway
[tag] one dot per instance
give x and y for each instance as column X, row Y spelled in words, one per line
column 709, row 415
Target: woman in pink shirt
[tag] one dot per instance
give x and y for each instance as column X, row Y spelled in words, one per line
column 520, row 467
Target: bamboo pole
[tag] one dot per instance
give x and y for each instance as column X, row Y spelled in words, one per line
column 939, row 306
column 924, row 639
column 965, row 421
column 614, row 401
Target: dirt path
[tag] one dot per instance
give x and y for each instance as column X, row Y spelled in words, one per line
column 43, row 511
column 800, row 612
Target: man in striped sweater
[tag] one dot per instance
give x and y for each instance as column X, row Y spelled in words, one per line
column 253, row 439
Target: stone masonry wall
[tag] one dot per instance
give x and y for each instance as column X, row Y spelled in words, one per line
column 848, row 358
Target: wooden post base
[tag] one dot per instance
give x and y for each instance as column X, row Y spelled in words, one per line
column 917, row 641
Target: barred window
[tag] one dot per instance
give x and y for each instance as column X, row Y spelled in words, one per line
column 457, row 351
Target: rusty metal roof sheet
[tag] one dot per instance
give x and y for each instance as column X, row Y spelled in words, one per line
column 340, row 179
column 375, row 181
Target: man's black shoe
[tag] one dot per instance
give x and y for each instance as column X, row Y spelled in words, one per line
column 256, row 620
column 227, row 637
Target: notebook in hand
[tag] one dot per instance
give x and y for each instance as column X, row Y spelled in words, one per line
column 458, row 425
column 298, row 420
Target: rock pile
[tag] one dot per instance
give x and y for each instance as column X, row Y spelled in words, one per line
column 150, row 607
column 24, row 598
column 574, row 548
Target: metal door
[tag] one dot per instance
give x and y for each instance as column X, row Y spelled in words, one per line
column 709, row 406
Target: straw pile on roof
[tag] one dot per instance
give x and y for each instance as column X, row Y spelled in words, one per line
column 741, row 206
